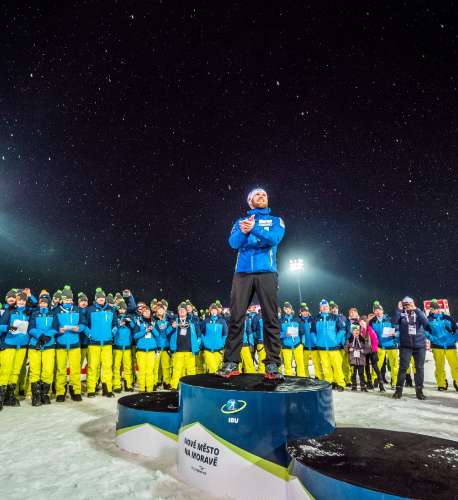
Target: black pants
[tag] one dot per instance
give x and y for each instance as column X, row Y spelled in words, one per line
column 358, row 369
column 405, row 353
column 244, row 286
column 372, row 360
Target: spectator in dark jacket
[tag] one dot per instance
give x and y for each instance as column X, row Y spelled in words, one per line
column 412, row 324
column 358, row 348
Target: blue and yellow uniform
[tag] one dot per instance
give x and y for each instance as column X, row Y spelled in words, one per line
column 388, row 345
column 146, row 354
column 122, row 352
column 246, row 358
column 310, row 351
column 184, row 345
column 213, row 338
column 291, row 333
column 257, row 327
column 162, row 369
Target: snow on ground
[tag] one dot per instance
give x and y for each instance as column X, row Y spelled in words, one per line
column 67, row 451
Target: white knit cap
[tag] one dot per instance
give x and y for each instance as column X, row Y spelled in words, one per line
column 253, row 192
column 407, row 300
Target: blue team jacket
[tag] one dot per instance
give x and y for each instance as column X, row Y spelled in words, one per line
column 67, row 317
column 41, row 323
column 195, row 347
column 309, row 336
column 257, row 251
column 12, row 339
column 442, row 334
column 123, row 333
column 145, row 341
column 214, row 333
column 378, row 326
column 330, row 332
column 290, row 342
column 163, row 329
column 101, row 323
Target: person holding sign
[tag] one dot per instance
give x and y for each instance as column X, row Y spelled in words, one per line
column 14, row 325
column 256, row 238
column 388, row 341
column 291, row 334
column 412, row 324
column 443, row 340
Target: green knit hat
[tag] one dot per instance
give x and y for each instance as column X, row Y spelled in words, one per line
column 122, row 304
column 11, row 293
column 376, row 305
column 118, row 296
column 67, row 293
column 213, row 306
column 99, row 293
column 110, row 298
column 57, row 294
column 434, row 304
column 304, row 307
column 287, row 304
column 182, row 305
column 82, row 297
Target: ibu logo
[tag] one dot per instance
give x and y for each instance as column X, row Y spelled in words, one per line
column 233, row 406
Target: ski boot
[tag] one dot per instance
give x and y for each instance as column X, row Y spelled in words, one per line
column 10, row 398
column 45, row 399
column 353, row 388
column 106, row 392
column 272, row 373
column 36, row 394
column 398, row 393
column 381, row 387
column 228, row 370
column 419, row 393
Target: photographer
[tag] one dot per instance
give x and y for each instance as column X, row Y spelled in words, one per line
column 412, row 324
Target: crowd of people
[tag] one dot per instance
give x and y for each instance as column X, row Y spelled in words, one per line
column 123, row 345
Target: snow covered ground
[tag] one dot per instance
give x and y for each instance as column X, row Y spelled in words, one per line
column 68, row 451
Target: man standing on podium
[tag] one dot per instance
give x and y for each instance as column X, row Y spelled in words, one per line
column 256, row 238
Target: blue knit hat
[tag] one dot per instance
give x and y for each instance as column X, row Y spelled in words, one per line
column 324, row 302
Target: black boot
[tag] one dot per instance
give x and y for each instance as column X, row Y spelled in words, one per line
column 2, row 395
column 381, row 387
column 455, row 385
column 376, row 383
column 106, row 392
column 45, row 399
column 117, row 390
column 398, row 393
column 353, row 388
column 409, row 382
column 370, row 385
column 10, row 398
column 36, row 394
column 61, row 397
column 419, row 393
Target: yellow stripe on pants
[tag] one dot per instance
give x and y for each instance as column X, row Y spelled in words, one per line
column 297, row 354
column 74, row 362
column 440, row 355
column 11, row 362
column 145, row 376
column 261, row 354
column 212, row 360
column 331, row 363
column 183, row 363
column 99, row 357
column 42, row 365
column 247, row 360
column 122, row 361
column 162, row 368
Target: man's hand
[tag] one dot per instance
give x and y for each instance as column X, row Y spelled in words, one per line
column 247, row 225
column 62, row 329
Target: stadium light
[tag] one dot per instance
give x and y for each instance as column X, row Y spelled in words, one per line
column 297, row 266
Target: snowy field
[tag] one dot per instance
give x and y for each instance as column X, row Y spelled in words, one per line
column 68, row 451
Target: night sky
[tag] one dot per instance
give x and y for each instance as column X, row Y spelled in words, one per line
column 131, row 133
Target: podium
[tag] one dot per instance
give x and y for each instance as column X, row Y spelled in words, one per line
column 233, row 434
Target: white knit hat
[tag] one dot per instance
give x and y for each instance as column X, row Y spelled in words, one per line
column 253, row 192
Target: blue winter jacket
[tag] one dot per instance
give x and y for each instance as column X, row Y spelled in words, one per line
column 257, row 251
column 330, row 332
column 214, row 333
column 123, row 332
column 195, row 347
column 11, row 338
column 385, row 342
column 291, row 332
column 101, row 323
column 163, row 329
column 248, row 333
column 41, row 324
column 84, row 339
column 145, row 340
column 443, row 329
column 67, row 316
column 416, row 341
column 309, row 335
column 257, row 327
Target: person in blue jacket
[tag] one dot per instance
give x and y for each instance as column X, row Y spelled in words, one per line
column 412, row 324
column 147, row 350
column 309, row 343
column 42, row 350
column 213, row 337
column 68, row 324
column 83, row 303
column 257, row 329
column 163, row 330
column 14, row 326
column 291, row 334
column 184, row 345
column 247, row 351
column 101, row 325
column 122, row 353
column 256, row 239
column 330, row 333
column 443, row 338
